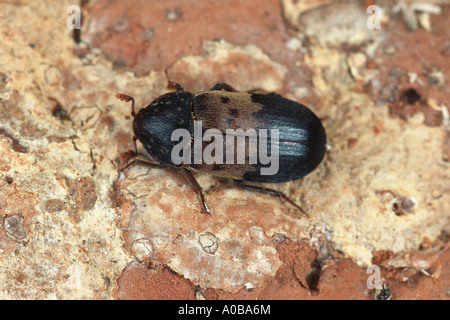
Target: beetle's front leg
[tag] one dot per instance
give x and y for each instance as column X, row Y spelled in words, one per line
column 197, row 189
column 131, row 157
column 272, row 192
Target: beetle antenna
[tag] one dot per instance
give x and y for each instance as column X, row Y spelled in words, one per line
column 174, row 85
column 126, row 98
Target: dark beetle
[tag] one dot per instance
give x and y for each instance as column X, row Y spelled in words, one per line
column 301, row 136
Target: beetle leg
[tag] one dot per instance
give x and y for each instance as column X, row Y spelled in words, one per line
column 134, row 142
column 197, row 189
column 223, row 86
column 262, row 91
column 174, row 85
column 136, row 157
column 272, row 192
column 126, row 98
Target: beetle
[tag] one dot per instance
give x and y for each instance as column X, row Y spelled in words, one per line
column 300, row 145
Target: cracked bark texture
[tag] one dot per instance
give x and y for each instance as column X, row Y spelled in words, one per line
column 73, row 226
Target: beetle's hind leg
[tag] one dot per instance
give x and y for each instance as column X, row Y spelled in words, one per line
column 272, row 192
column 197, row 189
